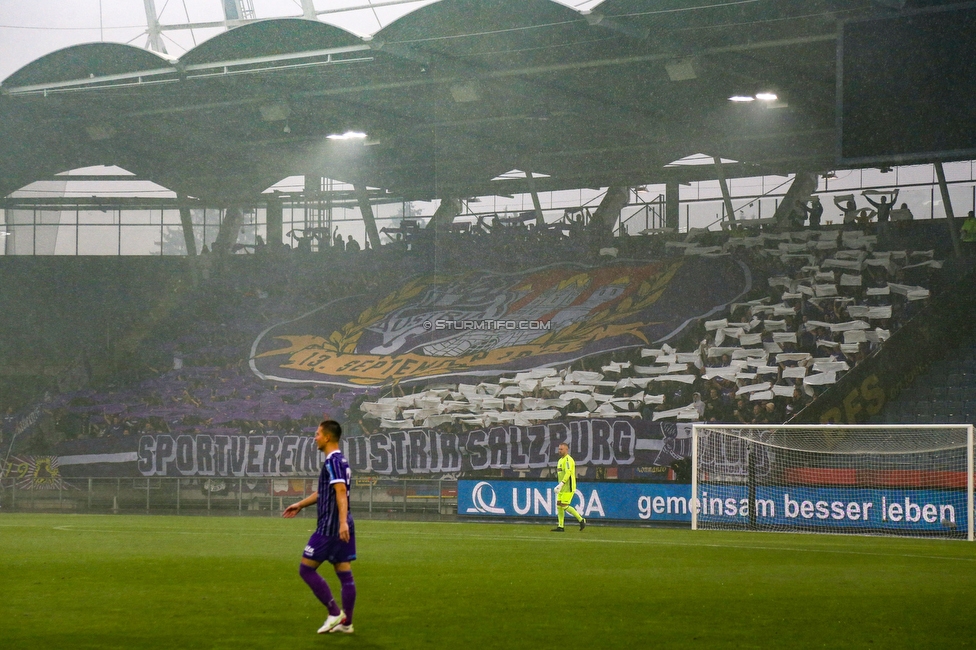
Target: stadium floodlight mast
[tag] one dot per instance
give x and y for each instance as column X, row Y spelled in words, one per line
column 904, row 480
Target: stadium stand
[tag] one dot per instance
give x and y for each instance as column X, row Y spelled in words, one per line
column 826, row 291
column 946, row 392
column 822, row 301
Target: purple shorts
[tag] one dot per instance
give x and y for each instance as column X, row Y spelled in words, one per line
column 331, row 549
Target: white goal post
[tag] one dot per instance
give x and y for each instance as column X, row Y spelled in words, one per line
column 906, row 480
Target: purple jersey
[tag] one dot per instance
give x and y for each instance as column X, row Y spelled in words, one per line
column 334, row 470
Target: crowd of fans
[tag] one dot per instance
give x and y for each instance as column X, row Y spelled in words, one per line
column 822, row 301
column 217, row 399
column 831, row 300
column 190, row 372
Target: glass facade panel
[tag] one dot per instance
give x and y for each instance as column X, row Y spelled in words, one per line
column 846, row 179
column 918, row 200
column 140, row 217
column 67, row 243
column 871, row 177
column 962, row 200
column 173, row 241
column 98, row 240
column 140, row 240
column 703, row 214
column 45, row 239
column 751, row 186
column 158, row 230
column 171, row 217
column 958, row 171
column 98, row 217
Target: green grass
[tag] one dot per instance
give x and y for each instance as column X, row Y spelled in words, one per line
column 189, row 582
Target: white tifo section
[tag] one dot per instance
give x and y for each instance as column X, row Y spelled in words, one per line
column 904, row 480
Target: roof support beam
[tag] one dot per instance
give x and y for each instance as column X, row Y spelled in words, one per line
column 947, row 206
column 186, row 220
column 444, row 214
column 540, row 220
column 230, row 229
column 726, row 196
column 804, row 184
column 607, row 213
column 215, row 68
column 672, row 213
column 275, row 226
column 366, row 209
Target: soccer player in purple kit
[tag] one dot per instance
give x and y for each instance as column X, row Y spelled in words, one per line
column 334, row 539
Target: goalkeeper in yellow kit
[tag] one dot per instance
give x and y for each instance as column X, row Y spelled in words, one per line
column 566, row 473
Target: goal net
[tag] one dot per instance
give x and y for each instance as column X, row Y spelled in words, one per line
column 870, row 479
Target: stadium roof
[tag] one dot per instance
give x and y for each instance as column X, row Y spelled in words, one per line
column 451, row 96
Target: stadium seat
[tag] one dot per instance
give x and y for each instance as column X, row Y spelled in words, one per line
column 923, row 407
column 956, row 393
column 953, row 365
column 903, row 417
column 906, row 406
column 938, row 393
column 923, row 392
column 924, row 418
column 954, row 379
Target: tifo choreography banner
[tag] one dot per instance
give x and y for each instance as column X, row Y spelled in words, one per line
column 785, row 507
column 623, row 448
column 32, row 472
column 483, row 324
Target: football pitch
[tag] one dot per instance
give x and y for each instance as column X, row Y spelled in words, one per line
column 85, row 581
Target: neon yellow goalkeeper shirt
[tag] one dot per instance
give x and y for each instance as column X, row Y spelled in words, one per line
column 566, row 473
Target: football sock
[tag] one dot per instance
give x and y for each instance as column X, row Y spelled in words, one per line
column 561, row 514
column 348, row 594
column 319, row 587
column 571, row 510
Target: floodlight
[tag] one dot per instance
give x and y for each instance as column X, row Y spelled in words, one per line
column 741, row 98
column 767, row 97
column 348, row 135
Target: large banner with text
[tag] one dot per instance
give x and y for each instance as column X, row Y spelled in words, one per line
column 796, row 508
column 618, row 448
